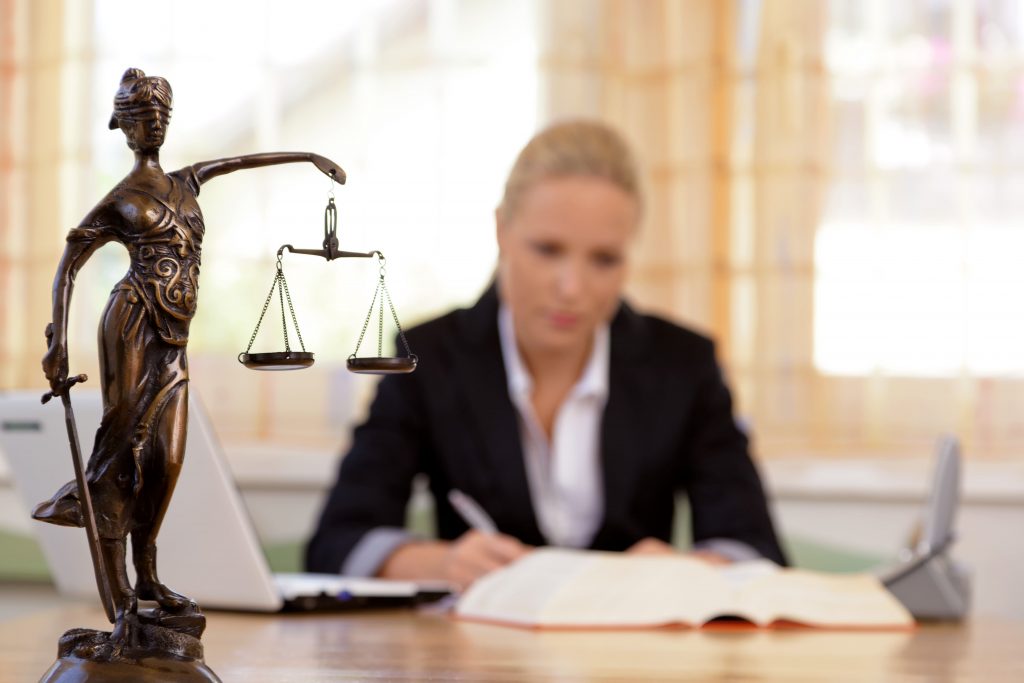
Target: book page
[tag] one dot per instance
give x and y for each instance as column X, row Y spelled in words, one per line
column 639, row 590
column 518, row 593
column 554, row 587
column 739, row 574
column 557, row 587
column 818, row 599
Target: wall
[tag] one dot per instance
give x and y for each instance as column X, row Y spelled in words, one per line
column 846, row 508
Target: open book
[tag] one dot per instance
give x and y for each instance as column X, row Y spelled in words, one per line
column 557, row 588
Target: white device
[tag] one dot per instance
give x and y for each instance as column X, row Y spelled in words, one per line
column 207, row 547
column 926, row 580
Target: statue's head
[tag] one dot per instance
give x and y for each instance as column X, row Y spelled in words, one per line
column 142, row 109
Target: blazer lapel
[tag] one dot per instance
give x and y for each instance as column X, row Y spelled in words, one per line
column 623, row 435
column 481, row 375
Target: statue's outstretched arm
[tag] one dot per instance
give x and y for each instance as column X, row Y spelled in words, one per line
column 206, row 170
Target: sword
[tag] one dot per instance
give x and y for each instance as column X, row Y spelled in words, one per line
column 84, row 496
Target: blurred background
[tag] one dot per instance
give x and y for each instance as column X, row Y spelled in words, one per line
column 833, row 190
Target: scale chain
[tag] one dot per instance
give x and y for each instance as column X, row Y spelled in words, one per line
column 284, row 321
column 382, row 290
column 283, row 294
column 401, row 332
column 366, row 322
column 288, row 296
column 380, row 319
column 266, row 305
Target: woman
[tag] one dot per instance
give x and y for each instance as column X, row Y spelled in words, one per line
column 143, row 333
column 570, row 418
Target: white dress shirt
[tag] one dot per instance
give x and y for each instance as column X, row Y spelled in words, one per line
column 564, row 473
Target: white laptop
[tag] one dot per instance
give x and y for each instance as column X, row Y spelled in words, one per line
column 208, row 549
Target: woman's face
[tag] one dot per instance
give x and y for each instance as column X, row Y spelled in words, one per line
column 562, row 260
column 145, row 132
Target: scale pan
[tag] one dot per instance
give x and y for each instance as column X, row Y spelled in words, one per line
column 382, row 366
column 280, row 360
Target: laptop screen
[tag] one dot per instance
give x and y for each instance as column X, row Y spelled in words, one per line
column 208, row 549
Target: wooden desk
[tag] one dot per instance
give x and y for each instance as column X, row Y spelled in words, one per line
column 406, row 646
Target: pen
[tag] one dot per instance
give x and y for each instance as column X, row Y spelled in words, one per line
column 471, row 512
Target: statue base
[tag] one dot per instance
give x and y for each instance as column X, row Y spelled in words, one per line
column 165, row 647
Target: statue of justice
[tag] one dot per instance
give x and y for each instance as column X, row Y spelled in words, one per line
column 139, row 449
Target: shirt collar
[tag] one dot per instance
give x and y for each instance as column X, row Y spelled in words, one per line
column 593, row 381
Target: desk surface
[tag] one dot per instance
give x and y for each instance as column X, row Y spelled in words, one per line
column 407, row 646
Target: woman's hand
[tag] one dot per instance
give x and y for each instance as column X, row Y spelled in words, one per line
column 460, row 562
column 55, row 362
column 475, row 554
column 653, row 546
column 709, row 556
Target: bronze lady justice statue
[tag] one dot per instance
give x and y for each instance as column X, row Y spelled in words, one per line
column 140, row 444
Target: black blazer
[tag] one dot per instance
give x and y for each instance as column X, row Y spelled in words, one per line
column 667, row 428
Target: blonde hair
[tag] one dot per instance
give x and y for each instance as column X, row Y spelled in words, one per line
column 572, row 148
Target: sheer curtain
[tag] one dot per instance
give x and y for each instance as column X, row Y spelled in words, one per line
column 780, row 180
column 724, row 102
column 832, row 188
column 423, row 103
column 42, row 157
column 830, row 193
column 918, row 320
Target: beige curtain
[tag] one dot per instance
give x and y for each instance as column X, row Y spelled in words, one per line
column 43, row 81
column 798, row 409
column 30, row 196
column 772, row 257
column 729, row 104
column 655, row 69
column 728, row 112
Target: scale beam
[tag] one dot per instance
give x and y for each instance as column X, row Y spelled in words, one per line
column 329, row 252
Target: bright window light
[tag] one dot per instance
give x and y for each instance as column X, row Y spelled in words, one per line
column 917, row 300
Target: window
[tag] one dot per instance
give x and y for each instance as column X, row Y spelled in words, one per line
column 919, row 251
column 424, row 104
